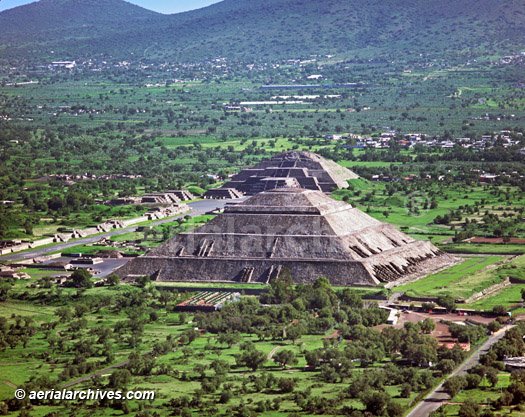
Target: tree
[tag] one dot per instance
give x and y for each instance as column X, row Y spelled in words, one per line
column 254, row 359
column 406, row 390
column 80, row 309
column 229, row 339
column 421, row 354
column 469, row 409
column 135, row 363
column 294, row 332
column 250, row 357
column 113, row 280
column 454, row 385
column 220, row 367
column 120, row 378
column 143, row 281
column 351, row 298
column 165, row 297
column 281, row 288
column 517, row 387
column 183, row 318
column 427, row 325
column 285, row 357
column 446, row 301
column 226, row 396
column 473, row 381
column 375, row 401
column 494, row 326
column 64, row 313
column 126, row 408
column 28, row 227
column 446, row 366
column 499, row 310
column 286, row 385
column 81, row 278
column 428, row 306
column 492, row 376
column 394, row 409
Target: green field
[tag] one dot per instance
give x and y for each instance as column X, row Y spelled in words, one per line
column 453, row 280
column 180, row 371
column 477, row 248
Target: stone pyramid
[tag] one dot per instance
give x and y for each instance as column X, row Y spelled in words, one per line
column 291, row 168
column 305, row 231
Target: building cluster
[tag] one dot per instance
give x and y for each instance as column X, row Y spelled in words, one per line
column 515, row 58
column 410, row 140
column 71, row 179
column 483, row 176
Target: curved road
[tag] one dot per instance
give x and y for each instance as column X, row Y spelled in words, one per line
column 198, row 208
column 438, row 397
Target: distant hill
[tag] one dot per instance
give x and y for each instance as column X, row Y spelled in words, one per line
column 263, row 29
column 67, row 26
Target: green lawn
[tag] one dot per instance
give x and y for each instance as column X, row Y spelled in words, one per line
column 452, row 281
column 510, row 296
column 482, row 248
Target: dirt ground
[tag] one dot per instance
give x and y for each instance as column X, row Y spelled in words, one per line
column 495, row 240
column 441, row 333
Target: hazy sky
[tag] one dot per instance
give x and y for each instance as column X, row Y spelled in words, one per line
column 162, row 6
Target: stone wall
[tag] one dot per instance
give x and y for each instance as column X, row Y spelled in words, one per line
column 488, row 290
column 340, row 273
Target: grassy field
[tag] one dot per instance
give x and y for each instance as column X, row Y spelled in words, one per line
column 478, row 248
column 509, row 297
column 460, row 281
column 19, row 364
column 473, row 275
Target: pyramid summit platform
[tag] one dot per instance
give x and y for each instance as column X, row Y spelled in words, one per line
column 304, row 231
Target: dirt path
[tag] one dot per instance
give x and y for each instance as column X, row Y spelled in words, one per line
column 10, row 384
column 273, row 352
column 102, row 372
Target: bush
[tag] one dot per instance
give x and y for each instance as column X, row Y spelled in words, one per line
column 81, row 278
column 286, row 385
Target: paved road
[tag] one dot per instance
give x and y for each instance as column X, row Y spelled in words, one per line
column 198, row 208
column 438, row 397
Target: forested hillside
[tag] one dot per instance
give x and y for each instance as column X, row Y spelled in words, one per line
column 257, row 29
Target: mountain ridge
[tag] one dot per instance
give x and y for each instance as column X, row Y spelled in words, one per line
column 45, row 15
column 257, row 29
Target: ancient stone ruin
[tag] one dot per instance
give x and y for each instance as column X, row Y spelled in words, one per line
column 223, row 193
column 288, row 169
column 303, row 231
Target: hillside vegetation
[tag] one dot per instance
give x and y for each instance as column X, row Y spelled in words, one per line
column 258, row 29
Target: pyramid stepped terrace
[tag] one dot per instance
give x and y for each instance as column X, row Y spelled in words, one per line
column 304, row 231
column 289, row 169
